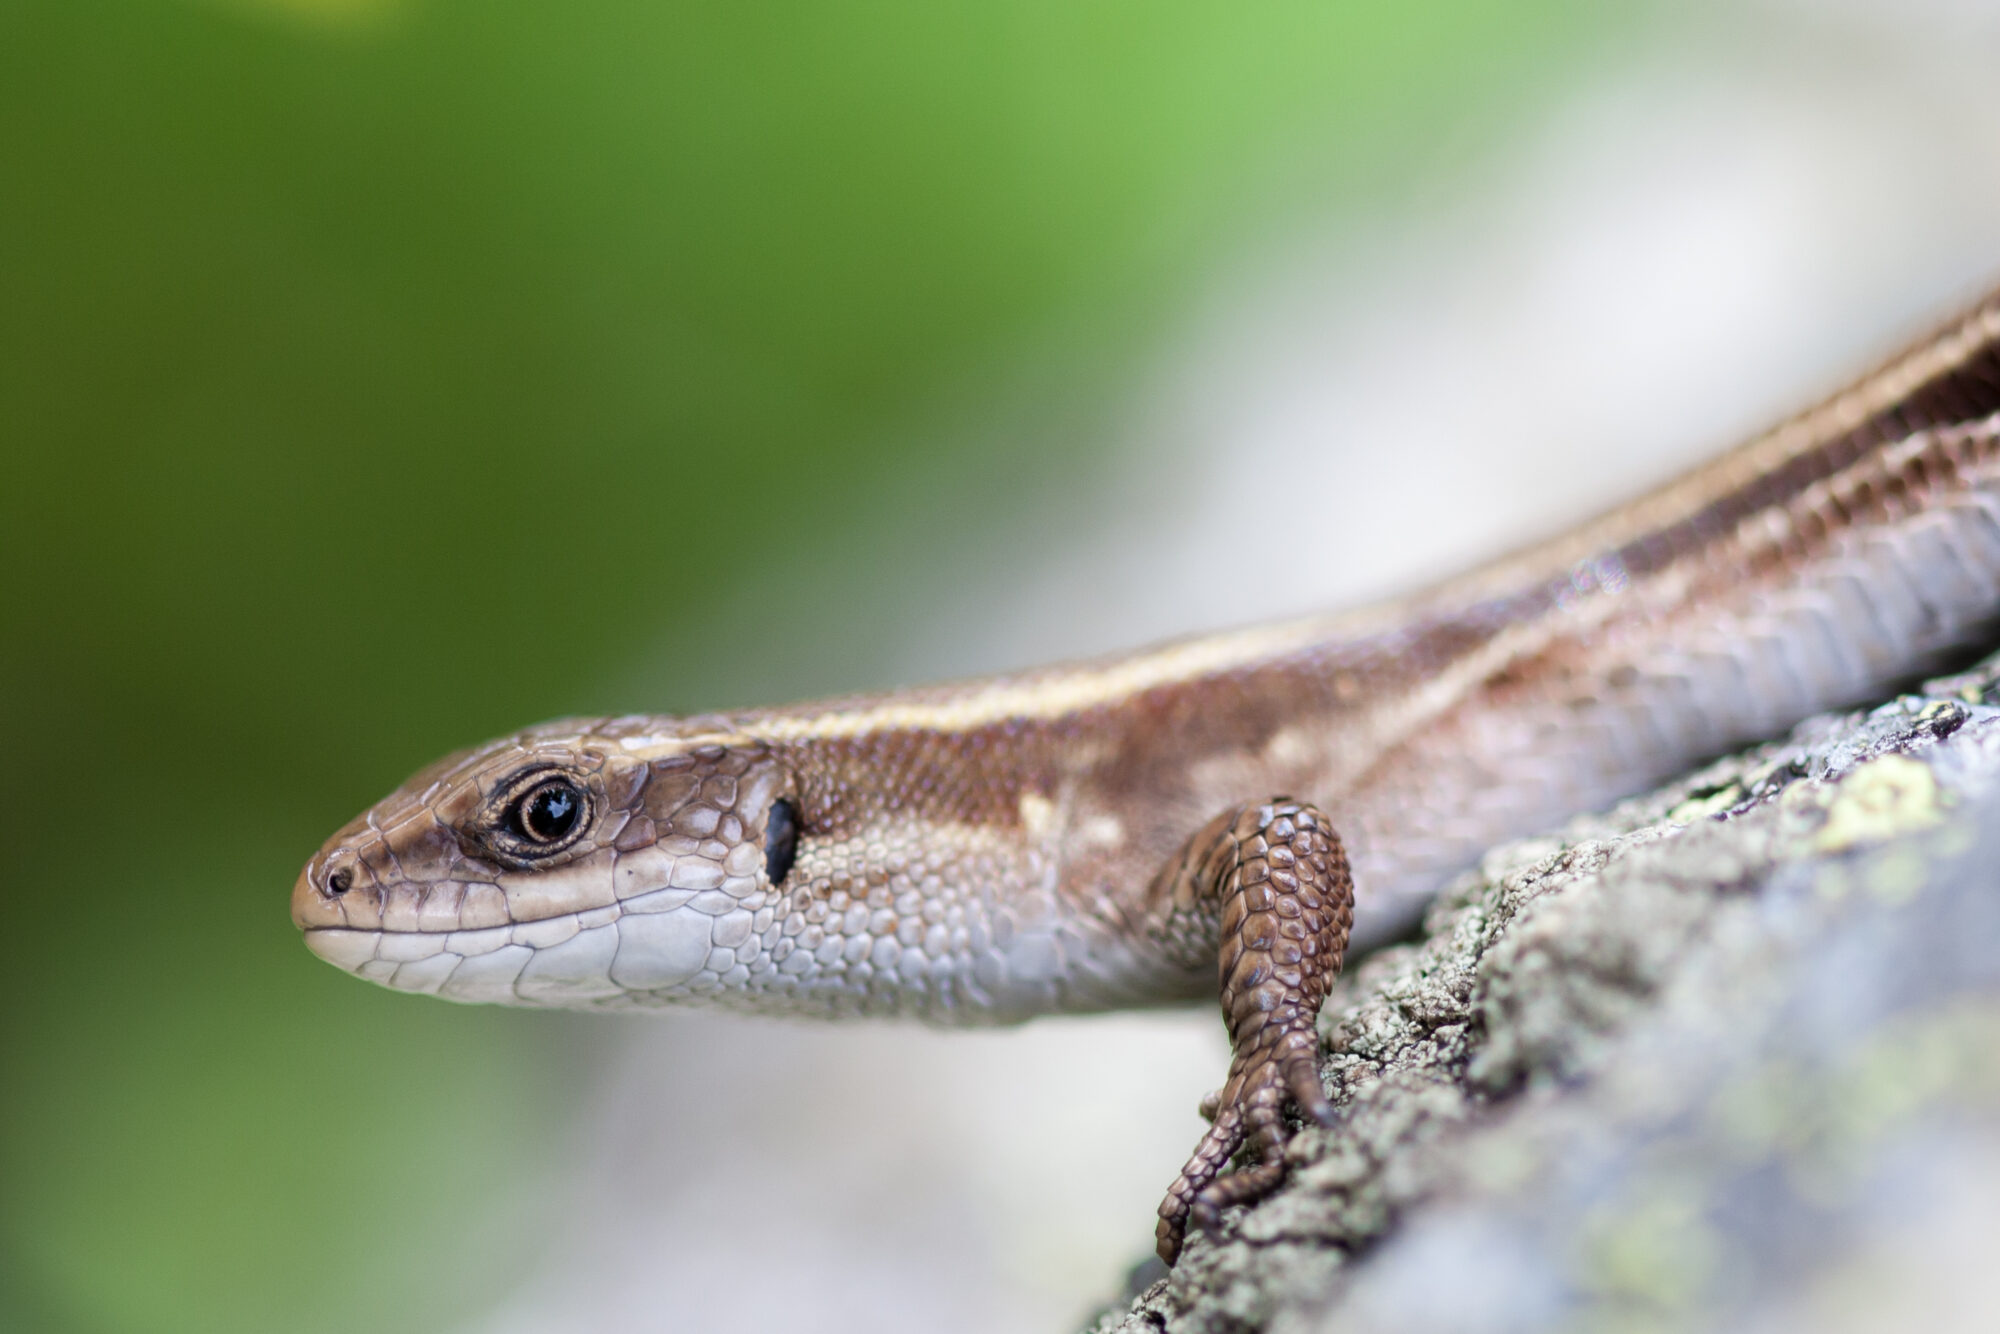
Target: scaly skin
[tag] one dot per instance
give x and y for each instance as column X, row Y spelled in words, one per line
column 1112, row 834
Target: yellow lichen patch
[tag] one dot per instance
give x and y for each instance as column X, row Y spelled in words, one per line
column 1700, row 808
column 1884, row 798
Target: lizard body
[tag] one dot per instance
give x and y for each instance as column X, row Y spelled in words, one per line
column 1181, row 821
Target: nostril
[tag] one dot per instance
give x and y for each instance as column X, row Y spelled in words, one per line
column 339, row 882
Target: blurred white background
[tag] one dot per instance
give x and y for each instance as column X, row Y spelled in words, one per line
column 1729, row 212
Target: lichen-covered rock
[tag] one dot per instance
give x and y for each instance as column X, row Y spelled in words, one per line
column 1724, row 1057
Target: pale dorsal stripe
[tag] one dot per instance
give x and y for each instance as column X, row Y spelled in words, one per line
column 1057, row 695
column 1038, row 696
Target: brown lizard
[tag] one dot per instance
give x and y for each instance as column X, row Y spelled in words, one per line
column 1161, row 826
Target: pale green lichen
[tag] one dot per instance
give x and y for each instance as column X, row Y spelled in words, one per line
column 1885, row 798
column 1704, row 805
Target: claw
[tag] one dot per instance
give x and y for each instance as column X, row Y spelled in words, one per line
column 1309, row 1095
column 1214, row 1150
column 1257, row 1092
column 1275, row 880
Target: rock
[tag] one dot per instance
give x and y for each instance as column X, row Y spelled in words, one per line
column 1726, row 1057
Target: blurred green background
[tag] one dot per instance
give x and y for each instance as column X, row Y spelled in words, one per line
column 378, row 375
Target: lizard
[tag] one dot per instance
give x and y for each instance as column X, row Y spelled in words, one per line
column 1224, row 816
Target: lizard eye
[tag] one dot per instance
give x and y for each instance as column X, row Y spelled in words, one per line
column 781, row 840
column 546, row 813
column 546, row 817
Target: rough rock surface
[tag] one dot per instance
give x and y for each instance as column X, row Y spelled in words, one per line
column 1724, row 1057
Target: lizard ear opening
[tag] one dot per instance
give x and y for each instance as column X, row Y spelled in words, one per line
column 781, row 840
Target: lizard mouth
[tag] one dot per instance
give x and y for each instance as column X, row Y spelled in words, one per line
column 481, row 965
column 648, row 951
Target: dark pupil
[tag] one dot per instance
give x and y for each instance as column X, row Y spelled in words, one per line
column 550, row 812
column 781, row 841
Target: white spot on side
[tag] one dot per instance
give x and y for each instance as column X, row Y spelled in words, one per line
column 1103, row 831
column 1290, row 748
column 1038, row 816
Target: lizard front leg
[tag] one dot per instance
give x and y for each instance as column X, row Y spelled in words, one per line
column 1268, row 889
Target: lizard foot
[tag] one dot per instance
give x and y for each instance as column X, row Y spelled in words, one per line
column 1278, row 877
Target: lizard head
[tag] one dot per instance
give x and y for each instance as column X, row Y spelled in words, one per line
column 582, row 863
